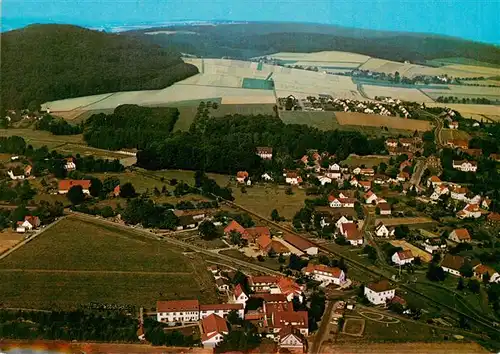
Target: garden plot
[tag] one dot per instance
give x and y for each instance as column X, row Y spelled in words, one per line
column 404, row 94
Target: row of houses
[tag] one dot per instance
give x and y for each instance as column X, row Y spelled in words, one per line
column 453, row 264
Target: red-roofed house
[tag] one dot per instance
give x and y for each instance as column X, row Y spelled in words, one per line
column 239, row 295
column 480, row 270
column 70, row 164
column 178, row 311
column 460, row 236
column 241, row 176
column 434, row 181
column 235, row 226
column 276, row 285
column 30, row 222
column 116, row 191
column 291, row 339
column 255, row 232
column 301, row 244
column 325, row 274
column 370, row 197
column 282, row 319
column 385, row 208
column 66, row 184
column 402, row 257
column 366, row 185
column 221, row 310
column 213, row 328
column 265, row 152
column 264, row 243
column 470, row 211
column 341, row 202
column 465, row 166
column 351, row 233
column 293, row 178
column 403, row 176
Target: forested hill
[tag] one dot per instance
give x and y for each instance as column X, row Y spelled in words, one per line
column 48, row 62
column 255, row 39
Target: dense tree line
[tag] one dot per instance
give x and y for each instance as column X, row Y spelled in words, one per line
column 465, row 100
column 258, row 39
column 227, row 145
column 76, row 325
column 57, row 126
column 149, row 214
column 129, row 126
column 48, row 62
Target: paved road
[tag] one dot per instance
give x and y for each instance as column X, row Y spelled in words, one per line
column 179, row 243
column 439, row 127
column 324, row 328
column 370, row 223
column 418, row 172
column 30, row 238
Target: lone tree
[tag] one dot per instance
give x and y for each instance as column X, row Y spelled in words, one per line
column 207, row 230
column 127, row 190
column 275, row 216
column 75, row 195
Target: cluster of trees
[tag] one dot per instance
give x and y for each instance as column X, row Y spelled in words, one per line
column 157, row 335
column 149, row 214
column 16, row 192
column 77, row 325
column 58, row 126
column 467, row 100
column 130, row 126
column 227, row 145
column 76, row 62
column 210, row 188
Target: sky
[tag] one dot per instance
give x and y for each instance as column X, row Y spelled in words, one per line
column 477, row 20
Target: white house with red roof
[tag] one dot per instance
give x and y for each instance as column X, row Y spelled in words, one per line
column 236, row 227
column 324, row 274
column 470, row 211
column 342, row 220
column 239, row 295
column 213, row 328
column 380, row 292
column 370, row 197
column 277, row 285
column 189, row 311
column 30, row 222
column 460, row 236
column 291, row 339
column 383, row 231
column 280, row 320
column 66, row 184
column 70, row 165
column 433, row 181
column 292, row 178
column 241, row 176
column 341, row 202
column 402, row 257
column 351, row 233
column 324, row 180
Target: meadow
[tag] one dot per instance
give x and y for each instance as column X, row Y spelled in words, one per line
column 375, row 120
column 77, row 262
column 450, row 134
column 368, row 161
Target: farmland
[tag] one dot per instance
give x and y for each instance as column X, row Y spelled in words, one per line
column 39, row 138
column 350, row 118
column 417, row 252
column 77, row 262
column 408, row 347
column 410, row 221
column 475, row 111
column 449, row 134
column 491, row 93
column 8, row 238
column 404, row 94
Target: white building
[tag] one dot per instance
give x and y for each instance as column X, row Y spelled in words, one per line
column 324, row 180
column 14, row 177
column 189, row 311
column 379, row 293
column 239, row 295
column 342, row 220
column 213, row 329
column 267, row 177
column 383, row 231
column 290, row 338
column 452, row 264
column 402, row 257
column 324, row 274
column 465, row 166
column 434, row 245
column 370, row 197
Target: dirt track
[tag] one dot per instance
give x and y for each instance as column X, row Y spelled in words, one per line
column 407, row 348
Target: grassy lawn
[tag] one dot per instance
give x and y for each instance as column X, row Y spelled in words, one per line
column 263, row 199
column 76, row 262
column 271, row 263
column 39, row 138
column 368, row 161
column 320, row 120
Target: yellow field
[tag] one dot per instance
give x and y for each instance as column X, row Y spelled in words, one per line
column 326, row 56
column 404, row 347
column 404, row 221
column 474, row 111
column 417, row 252
column 404, row 94
column 449, row 134
column 374, row 120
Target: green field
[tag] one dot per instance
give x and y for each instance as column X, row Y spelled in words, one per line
column 461, row 61
column 39, row 138
column 368, row 161
column 77, row 262
column 257, row 84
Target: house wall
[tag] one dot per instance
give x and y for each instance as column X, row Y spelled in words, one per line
column 212, row 342
column 182, row 317
column 220, row 313
column 379, row 298
column 451, row 271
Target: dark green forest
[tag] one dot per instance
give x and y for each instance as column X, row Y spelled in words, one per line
column 256, row 39
column 41, row 63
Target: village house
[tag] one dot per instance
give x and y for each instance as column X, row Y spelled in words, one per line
column 222, row 284
column 351, row 233
column 493, row 218
column 301, row 244
column 452, row 264
column 241, row 176
column 12, row 176
column 404, row 164
column 458, row 193
column 342, row 220
column 481, row 270
column 460, row 236
column 433, row 181
column 470, row 211
column 236, row 227
column 403, row 176
column 265, row 152
column 267, row 177
column 278, row 320
column 402, row 257
column 292, row 178
column 453, row 125
column 341, row 202
column 324, row 274
column 354, row 182
column 385, row 208
column 212, row 328
column 324, row 180
column 30, row 223
column 27, row 170
column 439, row 191
column 366, row 185
column 383, row 231
column 292, row 340
column 465, row 165
column 370, row 197
column 70, row 165
column 391, row 142
column 277, row 285
column 66, row 184
column 458, row 143
column 178, row 311
column 380, row 292
column 116, row 191
column 434, row 245
column 495, row 157
column 186, row 222
column 486, row 203
column 239, row 295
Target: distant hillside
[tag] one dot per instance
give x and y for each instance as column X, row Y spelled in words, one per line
column 255, row 39
column 48, row 62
